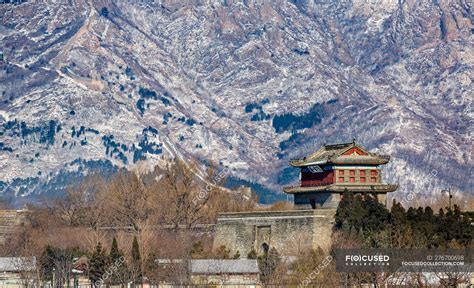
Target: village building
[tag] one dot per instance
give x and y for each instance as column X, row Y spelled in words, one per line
column 208, row 272
column 334, row 169
column 80, row 266
column 17, row 271
column 225, row 273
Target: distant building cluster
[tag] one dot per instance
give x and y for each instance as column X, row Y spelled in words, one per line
column 17, row 272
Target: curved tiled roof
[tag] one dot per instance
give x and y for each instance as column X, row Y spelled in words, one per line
column 332, row 154
column 214, row 266
column 17, row 264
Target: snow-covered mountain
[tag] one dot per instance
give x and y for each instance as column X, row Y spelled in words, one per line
column 245, row 84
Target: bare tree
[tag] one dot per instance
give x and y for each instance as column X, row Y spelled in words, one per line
column 74, row 208
column 128, row 201
column 180, row 194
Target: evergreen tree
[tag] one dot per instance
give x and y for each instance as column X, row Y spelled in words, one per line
column 268, row 263
column 357, row 213
column 120, row 273
column 252, row 254
column 104, row 12
column 442, row 229
column 136, row 264
column 374, row 226
column 400, row 228
column 135, row 250
column 343, row 210
column 466, row 232
column 376, row 215
column 398, row 215
column 97, row 265
column 114, row 251
column 411, row 214
column 427, row 227
column 458, row 227
column 236, row 255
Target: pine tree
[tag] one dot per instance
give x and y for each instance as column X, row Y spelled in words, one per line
column 236, row 255
column 400, row 228
column 376, row 215
column 252, row 254
column 268, row 263
column 135, row 250
column 136, row 264
column 441, row 228
column 120, row 273
column 398, row 215
column 114, row 251
column 104, row 12
column 357, row 213
column 343, row 210
column 97, row 266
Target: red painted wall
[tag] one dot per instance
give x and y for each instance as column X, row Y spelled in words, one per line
column 317, row 179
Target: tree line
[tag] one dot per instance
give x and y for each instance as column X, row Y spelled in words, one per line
column 363, row 222
column 117, row 229
column 158, row 211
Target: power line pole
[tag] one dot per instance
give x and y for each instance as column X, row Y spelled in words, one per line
column 450, row 196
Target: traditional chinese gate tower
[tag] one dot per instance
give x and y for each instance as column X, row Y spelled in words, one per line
column 332, row 170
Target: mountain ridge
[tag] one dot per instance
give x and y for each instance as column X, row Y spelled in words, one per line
column 244, row 85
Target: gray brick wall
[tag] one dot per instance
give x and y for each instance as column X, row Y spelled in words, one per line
column 287, row 231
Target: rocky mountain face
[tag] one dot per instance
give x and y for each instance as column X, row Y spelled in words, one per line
column 247, row 85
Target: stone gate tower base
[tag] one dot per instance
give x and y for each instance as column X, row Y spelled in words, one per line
column 288, row 231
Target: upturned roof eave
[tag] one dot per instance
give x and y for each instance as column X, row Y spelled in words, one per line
column 352, row 161
column 303, row 163
column 335, row 188
column 331, row 154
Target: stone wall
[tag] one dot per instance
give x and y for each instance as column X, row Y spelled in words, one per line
column 287, row 231
column 10, row 221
